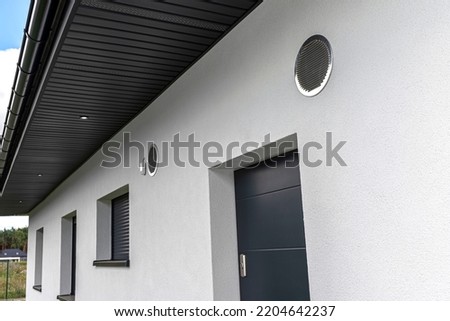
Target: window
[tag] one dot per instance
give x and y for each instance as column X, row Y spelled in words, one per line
column 38, row 260
column 68, row 257
column 113, row 229
column 120, row 216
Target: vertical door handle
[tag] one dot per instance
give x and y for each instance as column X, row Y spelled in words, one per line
column 243, row 265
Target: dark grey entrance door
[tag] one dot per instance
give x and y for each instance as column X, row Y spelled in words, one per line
column 271, row 235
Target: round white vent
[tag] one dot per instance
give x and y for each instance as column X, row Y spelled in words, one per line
column 313, row 65
column 152, row 160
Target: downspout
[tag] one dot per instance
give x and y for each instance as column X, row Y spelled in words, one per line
column 35, row 35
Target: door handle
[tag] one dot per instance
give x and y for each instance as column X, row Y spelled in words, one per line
column 242, row 265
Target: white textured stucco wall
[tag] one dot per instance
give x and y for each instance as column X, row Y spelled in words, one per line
column 377, row 229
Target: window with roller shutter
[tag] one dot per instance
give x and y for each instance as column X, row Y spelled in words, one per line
column 120, row 234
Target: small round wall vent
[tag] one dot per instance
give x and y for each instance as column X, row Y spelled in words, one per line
column 152, row 159
column 313, row 65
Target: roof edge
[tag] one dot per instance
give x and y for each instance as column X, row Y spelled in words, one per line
column 43, row 17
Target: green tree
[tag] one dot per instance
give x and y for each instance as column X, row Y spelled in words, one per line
column 14, row 239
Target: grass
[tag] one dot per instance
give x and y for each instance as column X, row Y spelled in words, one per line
column 17, row 280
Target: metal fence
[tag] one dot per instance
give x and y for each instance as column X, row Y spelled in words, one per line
column 13, row 277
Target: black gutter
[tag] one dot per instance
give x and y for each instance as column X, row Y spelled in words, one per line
column 43, row 18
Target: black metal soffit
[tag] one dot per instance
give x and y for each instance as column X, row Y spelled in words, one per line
column 111, row 60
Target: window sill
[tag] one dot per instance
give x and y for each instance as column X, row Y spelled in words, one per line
column 37, row 288
column 66, row 297
column 112, row 263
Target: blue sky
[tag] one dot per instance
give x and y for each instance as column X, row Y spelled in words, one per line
column 13, row 16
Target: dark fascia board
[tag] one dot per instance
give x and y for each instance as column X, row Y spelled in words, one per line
column 37, row 60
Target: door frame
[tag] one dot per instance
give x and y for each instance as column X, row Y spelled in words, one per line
column 224, row 244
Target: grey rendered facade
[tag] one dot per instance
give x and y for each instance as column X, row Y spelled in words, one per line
column 376, row 229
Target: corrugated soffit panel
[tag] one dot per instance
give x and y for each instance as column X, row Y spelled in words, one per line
column 115, row 58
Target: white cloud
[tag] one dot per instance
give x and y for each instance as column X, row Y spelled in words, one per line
column 6, row 222
column 8, row 66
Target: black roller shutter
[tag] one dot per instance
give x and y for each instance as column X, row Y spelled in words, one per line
column 120, row 228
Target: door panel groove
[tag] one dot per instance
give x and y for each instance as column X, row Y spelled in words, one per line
column 280, row 249
column 270, row 192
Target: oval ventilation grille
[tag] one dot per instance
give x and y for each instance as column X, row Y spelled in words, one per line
column 313, row 65
column 152, row 160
